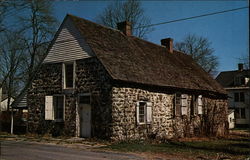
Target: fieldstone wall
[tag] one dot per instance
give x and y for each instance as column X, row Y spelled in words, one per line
column 91, row 78
column 113, row 107
column 124, row 114
column 164, row 124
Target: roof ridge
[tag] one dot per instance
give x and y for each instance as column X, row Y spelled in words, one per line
column 101, row 25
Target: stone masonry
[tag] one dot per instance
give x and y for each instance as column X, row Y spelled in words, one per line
column 113, row 107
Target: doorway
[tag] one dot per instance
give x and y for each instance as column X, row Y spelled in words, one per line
column 85, row 116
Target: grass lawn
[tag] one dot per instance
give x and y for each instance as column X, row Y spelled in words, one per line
column 236, row 146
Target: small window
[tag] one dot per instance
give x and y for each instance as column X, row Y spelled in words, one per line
column 144, row 112
column 239, row 97
column 68, row 74
column 236, row 97
column 54, row 107
column 242, row 97
column 177, row 110
column 237, row 113
column 200, row 104
column 142, row 107
column 58, row 103
column 243, row 113
column 184, row 104
column 193, row 107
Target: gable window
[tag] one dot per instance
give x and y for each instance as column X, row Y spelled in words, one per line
column 54, row 107
column 144, row 112
column 68, row 75
column 239, row 97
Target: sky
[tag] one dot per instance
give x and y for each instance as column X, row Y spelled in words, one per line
column 227, row 32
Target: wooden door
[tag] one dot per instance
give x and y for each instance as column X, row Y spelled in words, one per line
column 85, row 120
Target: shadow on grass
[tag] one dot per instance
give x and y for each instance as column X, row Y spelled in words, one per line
column 228, row 148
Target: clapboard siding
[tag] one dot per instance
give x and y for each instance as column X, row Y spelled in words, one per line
column 23, row 102
column 68, row 46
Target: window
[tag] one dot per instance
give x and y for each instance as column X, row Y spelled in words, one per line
column 54, row 107
column 240, row 113
column 177, row 110
column 184, row 104
column 199, row 104
column 236, row 97
column 193, row 107
column 144, row 112
column 58, row 104
column 243, row 113
column 68, row 74
column 239, row 97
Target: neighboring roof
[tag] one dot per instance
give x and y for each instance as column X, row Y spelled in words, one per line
column 226, row 78
column 4, row 97
column 230, row 111
column 130, row 59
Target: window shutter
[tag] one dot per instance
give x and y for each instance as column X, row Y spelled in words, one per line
column 149, row 112
column 200, row 104
column 137, row 112
column 49, row 112
column 184, row 104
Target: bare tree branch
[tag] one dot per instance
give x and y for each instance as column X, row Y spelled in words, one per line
column 201, row 51
column 129, row 10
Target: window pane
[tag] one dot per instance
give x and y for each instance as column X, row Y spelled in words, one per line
column 142, row 112
column 178, row 104
column 69, row 75
column 236, row 97
column 243, row 113
column 242, row 97
column 59, row 107
column 237, row 113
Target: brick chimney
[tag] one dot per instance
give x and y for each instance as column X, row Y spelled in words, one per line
column 168, row 43
column 240, row 67
column 125, row 28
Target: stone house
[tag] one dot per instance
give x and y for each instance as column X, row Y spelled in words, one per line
column 106, row 83
column 236, row 83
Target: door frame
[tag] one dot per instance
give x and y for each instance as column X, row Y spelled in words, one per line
column 78, row 117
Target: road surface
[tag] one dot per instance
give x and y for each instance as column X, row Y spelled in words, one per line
column 20, row 150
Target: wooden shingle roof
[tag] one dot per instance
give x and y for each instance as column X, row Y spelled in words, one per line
column 130, row 59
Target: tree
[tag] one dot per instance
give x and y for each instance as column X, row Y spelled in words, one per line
column 11, row 63
column 129, row 10
column 201, row 51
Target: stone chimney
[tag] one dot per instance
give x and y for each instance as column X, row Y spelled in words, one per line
column 240, row 67
column 125, row 28
column 168, row 43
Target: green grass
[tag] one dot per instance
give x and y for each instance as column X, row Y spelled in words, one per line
column 227, row 147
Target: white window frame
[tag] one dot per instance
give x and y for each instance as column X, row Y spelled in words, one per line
column 147, row 112
column 184, row 104
column 64, row 74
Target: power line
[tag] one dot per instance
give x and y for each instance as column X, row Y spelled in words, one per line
column 187, row 18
